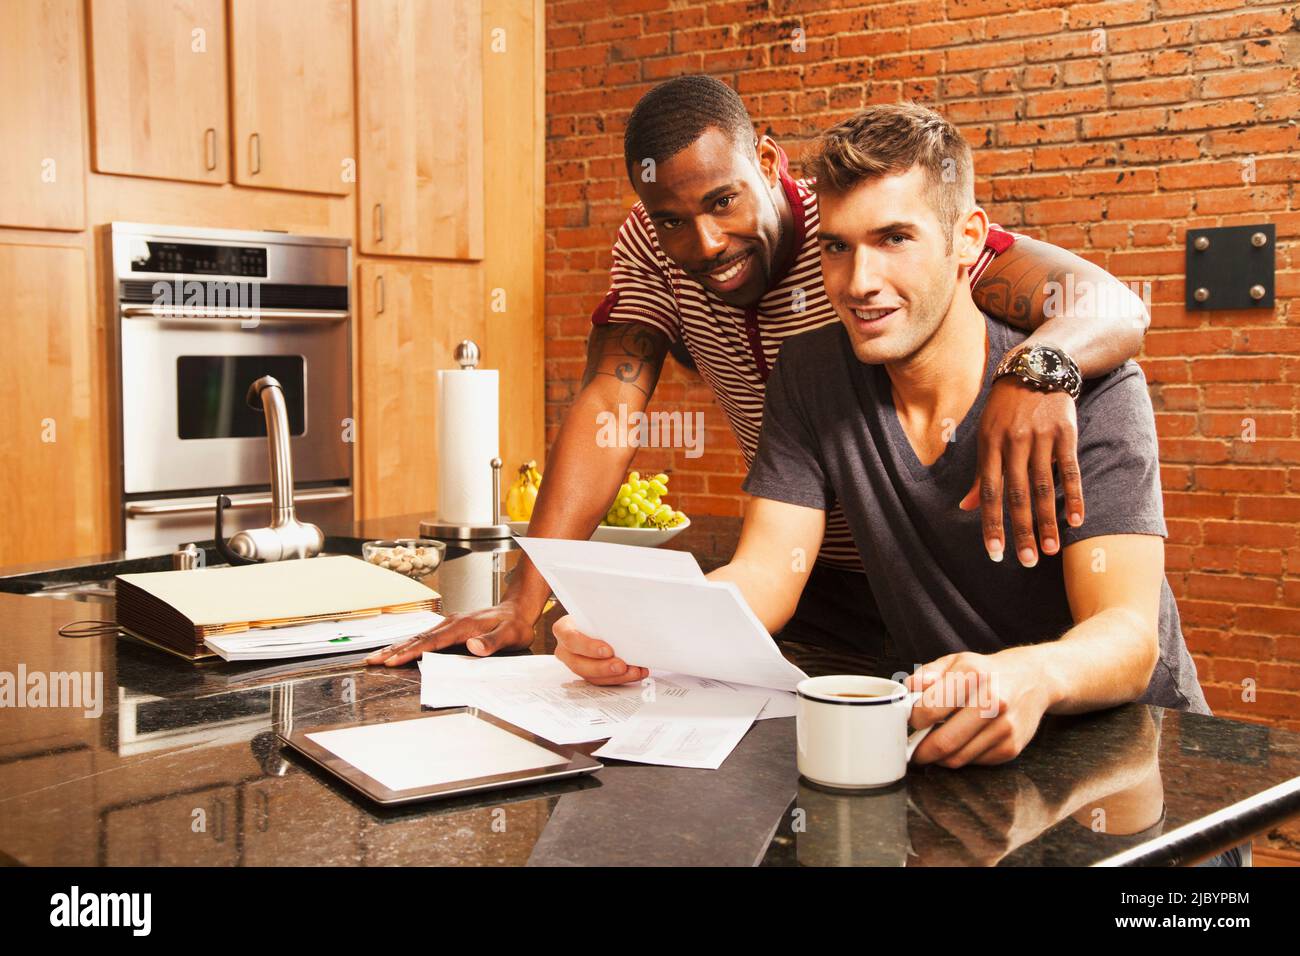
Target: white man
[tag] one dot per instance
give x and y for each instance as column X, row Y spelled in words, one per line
column 878, row 414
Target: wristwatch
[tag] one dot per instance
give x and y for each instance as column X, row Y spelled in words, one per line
column 1044, row 367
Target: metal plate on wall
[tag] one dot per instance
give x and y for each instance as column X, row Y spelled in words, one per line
column 1231, row 267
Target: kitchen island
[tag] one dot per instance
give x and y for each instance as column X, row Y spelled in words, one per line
column 180, row 766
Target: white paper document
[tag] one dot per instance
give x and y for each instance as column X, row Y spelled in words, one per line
column 659, row 562
column 666, row 622
column 322, row 637
column 692, row 731
column 540, row 694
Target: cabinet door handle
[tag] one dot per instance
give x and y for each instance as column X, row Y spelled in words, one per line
column 379, row 222
column 254, row 154
column 210, row 148
column 379, row 294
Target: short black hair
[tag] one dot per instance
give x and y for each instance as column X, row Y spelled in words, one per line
column 676, row 113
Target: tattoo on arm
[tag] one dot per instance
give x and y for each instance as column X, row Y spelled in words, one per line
column 1014, row 288
column 627, row 351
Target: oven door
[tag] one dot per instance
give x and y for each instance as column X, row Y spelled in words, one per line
column 184, row 378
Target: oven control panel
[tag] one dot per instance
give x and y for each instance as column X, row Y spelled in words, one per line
column 200, row 259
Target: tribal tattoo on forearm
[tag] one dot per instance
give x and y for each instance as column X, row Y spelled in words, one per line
column 1017, row 295
column 628, row 352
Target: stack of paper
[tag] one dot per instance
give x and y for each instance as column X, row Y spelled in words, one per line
column 671, row 719
column 179, row 610
column 657, row 610
column 713, row 666
column 322, row 637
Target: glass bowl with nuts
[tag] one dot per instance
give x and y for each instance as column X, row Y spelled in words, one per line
column 414, row 557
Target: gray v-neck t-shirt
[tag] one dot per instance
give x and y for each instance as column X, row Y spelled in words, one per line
column 831, row 434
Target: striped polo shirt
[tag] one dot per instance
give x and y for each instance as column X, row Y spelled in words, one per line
column 734, row 348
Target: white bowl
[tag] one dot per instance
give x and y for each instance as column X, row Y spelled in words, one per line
column 641, row 537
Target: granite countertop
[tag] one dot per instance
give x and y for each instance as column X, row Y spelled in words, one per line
column 182, row 767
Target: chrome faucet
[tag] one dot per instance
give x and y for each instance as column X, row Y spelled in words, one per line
column 286, row 537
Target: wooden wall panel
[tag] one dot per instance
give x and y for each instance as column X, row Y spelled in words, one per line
column 514, row 135
column 410, row 317
column 420, row 128
column 49, row 481
column 42, row 162
column 158, row 114
column 291, row 72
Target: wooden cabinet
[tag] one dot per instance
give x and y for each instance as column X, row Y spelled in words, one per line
column 158, row 71
column 42, row 170
column 410, row 318
column 51, row 478
column 291, row 72
column 420, row 128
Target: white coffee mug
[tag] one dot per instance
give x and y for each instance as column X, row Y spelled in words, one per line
column 852, row 730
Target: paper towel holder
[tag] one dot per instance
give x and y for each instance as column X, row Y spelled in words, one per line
column 467, row 357
column 473, row 532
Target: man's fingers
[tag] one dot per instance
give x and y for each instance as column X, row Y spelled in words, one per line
column 567, row 634
column 1067, row 466
column 1044, row 494
column 494, row 640
column 990, row 491
column 599, row 671
column 1016, row 467
column 949, row 738
column 972, row 499
column 448, row 633
column 993, row 737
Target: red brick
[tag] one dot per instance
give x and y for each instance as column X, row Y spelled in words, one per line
column 1207, row 115
column 1150, row 92
column 1156, row 36
column 1253, row 480
column 1242, row 25
column 1124, row 123
column 1236, row 369
column 1250, row 534
column 1224, row 587
column 1066, row 101
column 1033, row 23
column 1084, row 15
column 1132, row 66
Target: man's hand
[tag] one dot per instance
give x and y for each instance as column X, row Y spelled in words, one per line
column 590, row 658
column 500, row 628
column 1020, row 433
column 990, row 706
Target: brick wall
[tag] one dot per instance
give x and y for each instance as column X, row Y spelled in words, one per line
column 1106, row 128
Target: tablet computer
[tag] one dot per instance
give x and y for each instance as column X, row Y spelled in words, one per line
column 439, row 754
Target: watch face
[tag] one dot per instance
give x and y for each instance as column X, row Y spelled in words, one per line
column 1044, row 364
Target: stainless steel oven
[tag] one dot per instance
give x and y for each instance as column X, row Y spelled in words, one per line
column 201, row 314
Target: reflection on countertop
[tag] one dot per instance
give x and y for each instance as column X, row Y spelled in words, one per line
column 182, row 767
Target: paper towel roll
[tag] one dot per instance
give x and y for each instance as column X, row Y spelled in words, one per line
column 467, row 443
column 465, row 583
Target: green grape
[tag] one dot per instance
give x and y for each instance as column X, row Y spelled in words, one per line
column 633, row 477
column 661, row 478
